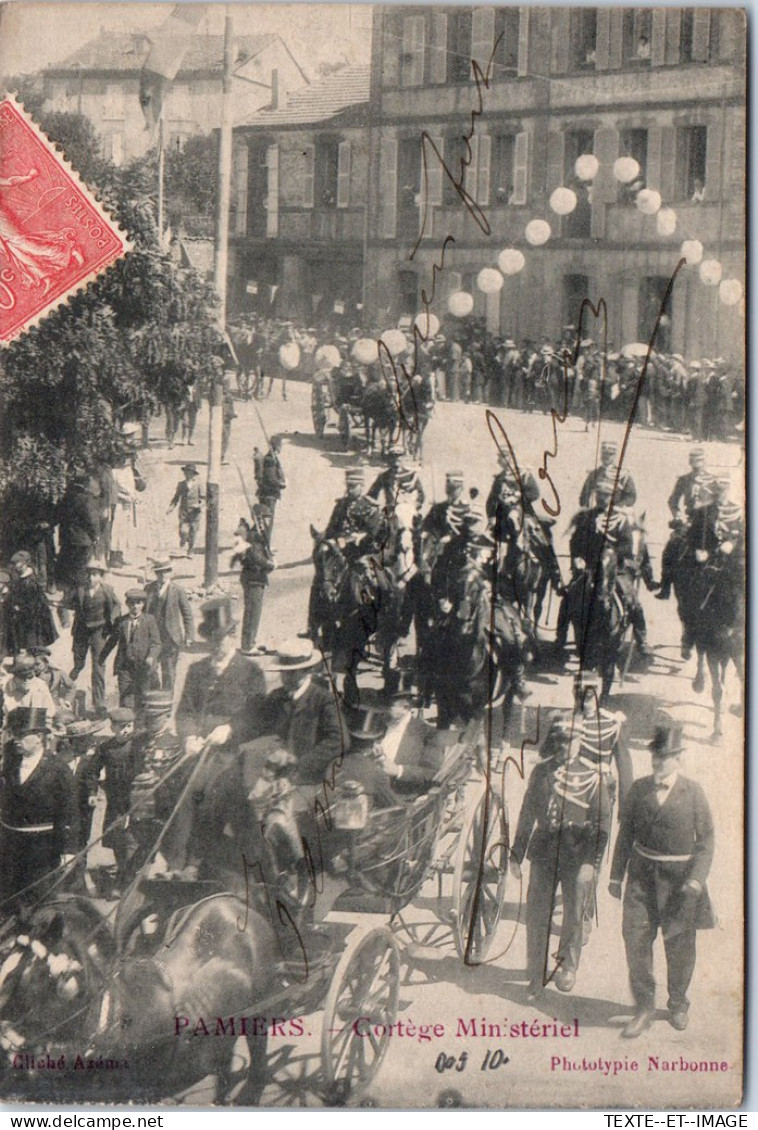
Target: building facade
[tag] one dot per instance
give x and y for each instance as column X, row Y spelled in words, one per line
column 464, row 157
column 299, row 189
column 101, row 80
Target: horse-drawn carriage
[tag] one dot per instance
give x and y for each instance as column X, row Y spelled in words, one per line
column 337, row 401
column 184, row 980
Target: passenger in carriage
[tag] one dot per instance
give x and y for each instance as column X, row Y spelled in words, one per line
column 564, row 842
column 392, row 754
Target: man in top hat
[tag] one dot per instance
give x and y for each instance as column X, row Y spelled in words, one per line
column 223, row 689
column 169, row 605
column 271, row 481
column 356, row 522
column 96, row 612
column 303, row 712
column 188, row 496
column 27, row 614
column 38, row 824
column 626, row 492
column 25, row 688
column 665, row 850
column 138, row 647
column 562, row 848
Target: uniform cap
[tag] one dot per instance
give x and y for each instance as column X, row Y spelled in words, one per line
column 454, row 476
column 509, row 343
column 697, row 453
column 122, row 715
column 134, row 596
column 609, row 445
column 156, row 702
column 354, row 475
column 23, row 662
column 22, row 557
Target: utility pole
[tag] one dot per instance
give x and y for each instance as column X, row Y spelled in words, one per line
column 220, row 268
column 161, row 168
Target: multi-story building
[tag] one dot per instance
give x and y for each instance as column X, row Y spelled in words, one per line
column 299, row 188
column 664, row 86
column 101, row 80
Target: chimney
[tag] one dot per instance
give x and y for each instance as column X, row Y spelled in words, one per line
column 274, row 88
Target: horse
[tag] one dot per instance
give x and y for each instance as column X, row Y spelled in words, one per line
column 416, row 410
column 380, row 415
column 528, row 562
column 599, row 618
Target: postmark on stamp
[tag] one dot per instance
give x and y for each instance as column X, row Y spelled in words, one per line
column 55, row 237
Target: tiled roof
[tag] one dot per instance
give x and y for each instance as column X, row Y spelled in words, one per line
column 319, row 101
column 125, row 51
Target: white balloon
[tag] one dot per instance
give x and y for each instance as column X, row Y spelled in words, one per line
column 648, row 201
column 489, row 280
column 692, row 251
column 711, row 272
column 328, row 356
column 665, row 221
column 586, row 166
column 428, row 325
column 563, row 201
column 395, row 341
column 730, row 291
column 365, row 351
column 625, row 169
column 538, row 232
column 511, row 261
column 460, row 303
column 289, row 355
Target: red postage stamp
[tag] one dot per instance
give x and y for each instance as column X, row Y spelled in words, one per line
column 54, row 236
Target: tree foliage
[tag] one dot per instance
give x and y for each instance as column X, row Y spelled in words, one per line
column 190, row 177
column 130, row 344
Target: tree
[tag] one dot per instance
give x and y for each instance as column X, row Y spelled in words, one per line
column 190, row 177
column 128, row 345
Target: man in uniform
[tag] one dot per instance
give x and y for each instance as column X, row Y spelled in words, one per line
column 356, row 522
column 665, row 850
column 395, row 481
column 37, row 808
column 626, row 494
column 443, row 519
column 189, row 497
column 257, row 561
column 96, row 612
column 271, row 481
column 169, row 604
column 138, row 646
column 692, row 492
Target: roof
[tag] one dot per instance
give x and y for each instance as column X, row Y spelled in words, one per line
column 319, row 101
column 127, row 51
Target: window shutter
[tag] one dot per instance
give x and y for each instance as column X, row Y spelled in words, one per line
column 658, row 45
column 239, row 181
column 520, row 168
column 272, row 199
column 604, row 187
column 713, row 170
column 560, row 48
column 413, row 51
column 616, row 40
column 438, row 51
column 673, row 35
column 603, row 39
column 667, row 176
column 523, row 42
column 653, row 170
column 483, row 170
column 343, row 174
column 472, row 170
column 701, row 35
column 388, row 188
column 309, row 154
column 434, row 175
column 390, row 50
column 482, row 37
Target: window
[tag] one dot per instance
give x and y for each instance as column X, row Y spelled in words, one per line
column 114, row 103
column 412, row 58
column 409, row 186
column 689, row 172
column 503, row 151
column 633, row 143
column 652, row 293
column 637, row 35
column 456, row 151
column 577, row 143
column 459, row 45
column 575, row 289
column 326, row 172
column 408, row 292
column 507, row 22
column 584, row 37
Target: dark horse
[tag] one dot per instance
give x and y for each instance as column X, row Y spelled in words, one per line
column 599, row 618
column 380, row 415
column 528, row 562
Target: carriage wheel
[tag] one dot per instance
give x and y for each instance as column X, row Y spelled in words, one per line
column 477, row 906
column 346, row 428
column 365, row 983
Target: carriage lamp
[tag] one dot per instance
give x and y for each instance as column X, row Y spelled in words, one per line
column 351, row 808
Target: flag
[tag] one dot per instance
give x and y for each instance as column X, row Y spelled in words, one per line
column 168, row 46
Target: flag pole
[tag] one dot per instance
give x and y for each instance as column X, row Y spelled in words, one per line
column 160, row 179
column 220, row 269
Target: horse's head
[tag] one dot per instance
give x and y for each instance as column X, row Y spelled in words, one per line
column 331, row 569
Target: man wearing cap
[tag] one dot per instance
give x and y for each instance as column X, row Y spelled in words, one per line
column 38, row 824
column 693, row 492
column 443, row 519
column 189, row 498
column 27, row 613
column 356, row 522
column 562, row 849
column 96, row 611
column 665, row 850
column 118, row 758
column 25, row 688
column 169, row 605
column 223, row 689
column 138, row 647
column 626, row 491
column 255, row 557
column 272, row 481
column 396, row 483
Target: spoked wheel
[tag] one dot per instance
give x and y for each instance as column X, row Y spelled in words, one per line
column 365, row 984
column 481, row 872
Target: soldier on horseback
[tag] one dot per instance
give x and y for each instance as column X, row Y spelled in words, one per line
column 692, row 492
column 626, row 493
column 356, row 521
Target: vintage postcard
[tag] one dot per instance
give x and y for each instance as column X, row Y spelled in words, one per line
column 372, row 555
